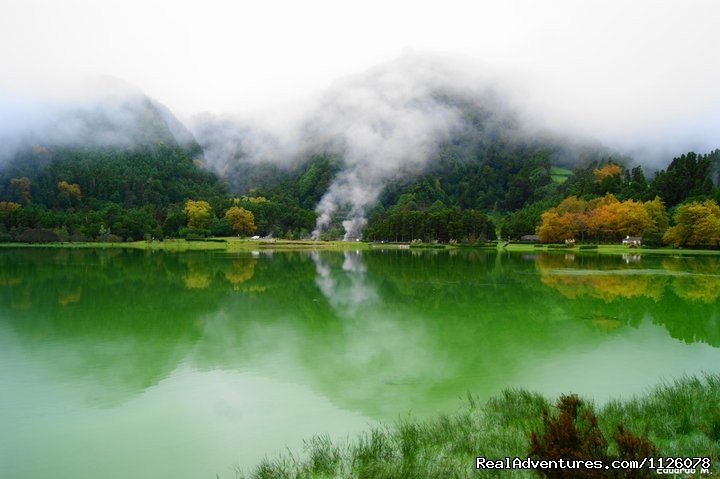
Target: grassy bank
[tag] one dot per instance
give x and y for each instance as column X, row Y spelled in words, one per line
column 610, row 249
column 238, row 244
column 681, row 418
column 214, row 244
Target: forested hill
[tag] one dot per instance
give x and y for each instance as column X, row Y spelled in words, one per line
column 490, row 165
column 125, row 166
column 128, row 169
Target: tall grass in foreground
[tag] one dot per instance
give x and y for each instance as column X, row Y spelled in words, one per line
column 682, row 418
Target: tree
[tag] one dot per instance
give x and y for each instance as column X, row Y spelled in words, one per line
column 632, row 218
column 687, row 177
column 567, row 220
column 72, row 189
column 696, row 224
column 8, row 206
column 21, row 189
column 602, row 218
column 609, row 170
column 241, row 220
column 197, row 213
column 658, row 214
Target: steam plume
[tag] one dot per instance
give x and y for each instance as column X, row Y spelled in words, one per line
column 386, row 122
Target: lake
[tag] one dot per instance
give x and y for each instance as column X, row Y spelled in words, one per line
column 122, row 363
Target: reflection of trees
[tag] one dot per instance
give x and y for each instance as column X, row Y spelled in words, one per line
column 8, row 280
column 197, row 276
column 602, row 283
column 378, row 332
column 71, row 296
column 117, row 320
column 699, row 278
column 683, row 292
column 691, row 278
column 239, row 271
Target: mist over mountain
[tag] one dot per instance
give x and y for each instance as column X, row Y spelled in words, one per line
column 391, row 125
column 423, row 134
column 118, row 162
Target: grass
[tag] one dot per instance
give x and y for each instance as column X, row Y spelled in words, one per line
column 559, row 175
column 682, row 418
column 240, row 244
column 611, row 249
column 215, row 244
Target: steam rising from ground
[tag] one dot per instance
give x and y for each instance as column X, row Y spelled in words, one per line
column 384, row 123
column 387, row 121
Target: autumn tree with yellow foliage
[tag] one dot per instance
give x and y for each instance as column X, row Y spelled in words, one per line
column 72, row 189
column 8, row 206
column 607, row 171
column 198, row 214
column 240, row 220
column 696, row 224
column 567, row 220
column 605, row 218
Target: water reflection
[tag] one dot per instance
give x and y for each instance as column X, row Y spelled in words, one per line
column 357, row 327
column 360, row 336
column 683, row 291
column 346, row 291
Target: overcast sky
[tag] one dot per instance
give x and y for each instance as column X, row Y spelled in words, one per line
column 617, row 70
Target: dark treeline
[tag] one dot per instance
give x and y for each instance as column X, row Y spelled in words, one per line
column 443, row 225
column 122, row 194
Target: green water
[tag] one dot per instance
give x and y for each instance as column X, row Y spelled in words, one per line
column 120, row 364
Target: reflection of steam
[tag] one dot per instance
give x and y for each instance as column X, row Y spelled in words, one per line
column 349, row 290
column 381, row 349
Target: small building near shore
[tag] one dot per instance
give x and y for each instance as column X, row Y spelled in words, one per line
column 530, row 238
column 632, row 241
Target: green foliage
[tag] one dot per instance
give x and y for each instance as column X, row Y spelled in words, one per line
column 526, row 220
column 443, row 225
column 140, row 191
column 38, row 235
column 688, row 176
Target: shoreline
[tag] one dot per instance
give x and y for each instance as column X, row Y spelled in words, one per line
column 239, row 245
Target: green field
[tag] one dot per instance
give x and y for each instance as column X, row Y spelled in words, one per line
column 610, row 249
column 214, row 244
column 559, row 175
column 238, row 244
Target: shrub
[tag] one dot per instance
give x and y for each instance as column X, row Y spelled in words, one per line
column 631, row 446
column 574, row 434
column 111, row 238
column 38, row 235
column 652, row 240
column 78, row 237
